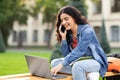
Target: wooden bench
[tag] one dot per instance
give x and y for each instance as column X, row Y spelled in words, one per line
column 112, row 76
column 28, row 76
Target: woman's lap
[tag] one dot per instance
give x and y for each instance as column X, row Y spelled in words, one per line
column 89, row 65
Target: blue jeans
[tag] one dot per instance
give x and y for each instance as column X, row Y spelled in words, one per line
column 79, row 69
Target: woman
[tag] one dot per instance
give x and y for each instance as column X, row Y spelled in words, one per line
column 77, row 40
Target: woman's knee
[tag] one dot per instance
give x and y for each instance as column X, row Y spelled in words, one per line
column 77, row 67
column 55, row 62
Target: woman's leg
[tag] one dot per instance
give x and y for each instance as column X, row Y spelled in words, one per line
column 82, row 67
column 67, row 69
column 93, row 76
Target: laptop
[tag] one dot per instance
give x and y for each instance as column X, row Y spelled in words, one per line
column 39, row 66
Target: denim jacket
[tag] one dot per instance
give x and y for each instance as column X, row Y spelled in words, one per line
column 88, row 45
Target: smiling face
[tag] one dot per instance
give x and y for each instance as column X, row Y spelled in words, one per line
column 67, row 21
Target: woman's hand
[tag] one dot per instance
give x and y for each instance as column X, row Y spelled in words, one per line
column 57, row 68
column 63, row 34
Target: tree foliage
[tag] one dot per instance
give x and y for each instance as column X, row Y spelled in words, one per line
column 2, row 45
column 9, row 12
column 49, row 8
column 104, row 42
column 49, row 11
column 56, row 52
column 80, row 5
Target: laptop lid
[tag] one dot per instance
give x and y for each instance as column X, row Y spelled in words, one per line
column 38, row 66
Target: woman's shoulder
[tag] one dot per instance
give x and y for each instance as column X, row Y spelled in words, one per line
column 85, row 26
column 88, row 27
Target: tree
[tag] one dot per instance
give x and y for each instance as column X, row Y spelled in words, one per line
column 11, row 11
column 104, row 42
column 80, row 5
column 2, row 46
column 56, row 52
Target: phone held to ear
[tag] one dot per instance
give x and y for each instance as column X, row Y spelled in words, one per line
column 62, row 28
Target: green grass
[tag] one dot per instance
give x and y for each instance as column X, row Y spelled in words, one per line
column 15, row 63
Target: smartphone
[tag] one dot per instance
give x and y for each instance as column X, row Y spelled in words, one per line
column 62, row 28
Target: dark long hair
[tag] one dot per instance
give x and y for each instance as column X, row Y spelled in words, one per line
column 75, row 14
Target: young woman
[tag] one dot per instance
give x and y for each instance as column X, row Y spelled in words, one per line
column 77, row 39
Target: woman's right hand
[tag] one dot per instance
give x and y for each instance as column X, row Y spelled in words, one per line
column 63, row 34
column 56, row 69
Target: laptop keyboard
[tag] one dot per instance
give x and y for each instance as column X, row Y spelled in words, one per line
column 58, row 76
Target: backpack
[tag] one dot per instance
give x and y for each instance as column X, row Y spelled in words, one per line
column 113, row 64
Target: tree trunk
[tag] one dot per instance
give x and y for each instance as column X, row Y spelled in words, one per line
column 50, row 35
column 2, row 45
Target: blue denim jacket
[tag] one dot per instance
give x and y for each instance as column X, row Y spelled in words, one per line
column 88, row 45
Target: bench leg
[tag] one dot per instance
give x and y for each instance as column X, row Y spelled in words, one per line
column 112, row 77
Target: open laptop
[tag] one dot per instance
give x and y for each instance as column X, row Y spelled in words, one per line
column 40, row 67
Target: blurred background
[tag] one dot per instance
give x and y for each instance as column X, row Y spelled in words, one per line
column 30, row 24
column 25, row 23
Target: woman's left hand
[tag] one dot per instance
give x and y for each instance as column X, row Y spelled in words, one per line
column 57, row 68
column 63, row 34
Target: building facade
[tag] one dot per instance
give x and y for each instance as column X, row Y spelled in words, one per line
column 110, row 11
column 35, row 33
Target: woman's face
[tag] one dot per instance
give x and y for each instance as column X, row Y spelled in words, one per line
column 67, row 21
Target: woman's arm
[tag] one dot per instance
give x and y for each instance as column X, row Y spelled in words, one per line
column 64, row 48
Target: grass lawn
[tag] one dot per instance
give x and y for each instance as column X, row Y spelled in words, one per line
column 15, row 63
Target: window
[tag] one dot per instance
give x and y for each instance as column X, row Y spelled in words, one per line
column 35, row 36
column 46, row 37
column 98, row 6
column 35, row 17
column 14, row 33
column 115, row 5
column 97, row 31
column 115, row 33
column 22, row 36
